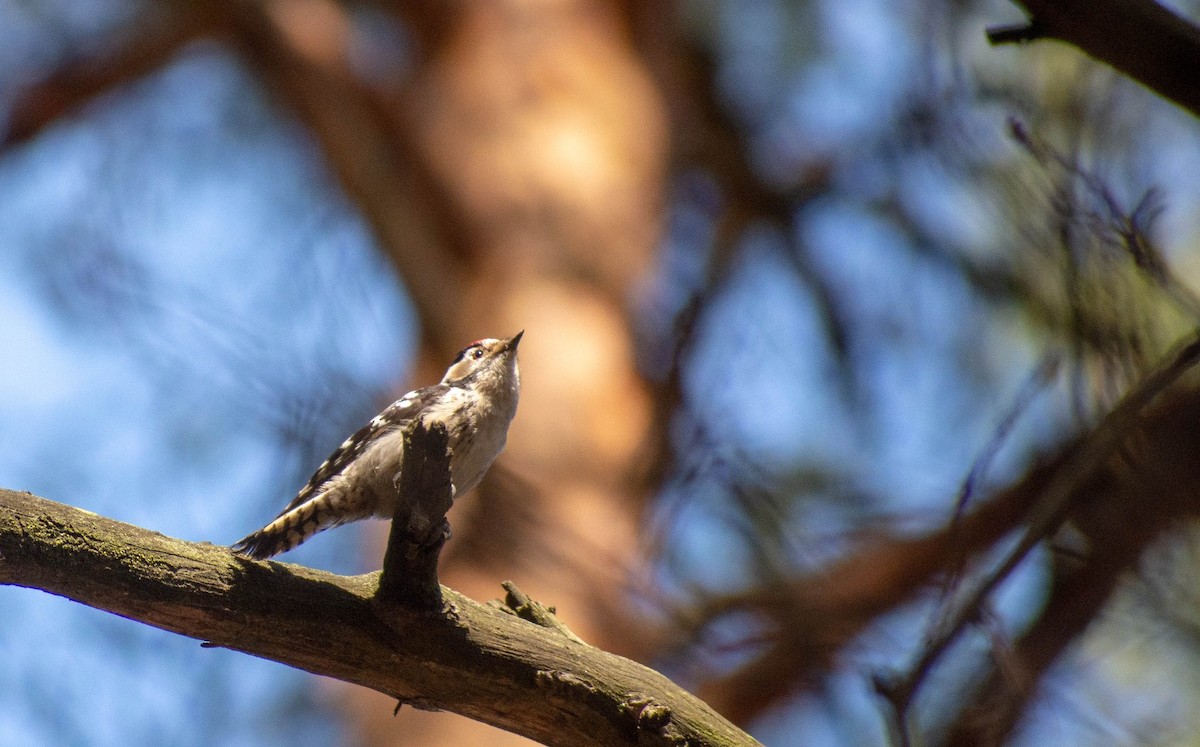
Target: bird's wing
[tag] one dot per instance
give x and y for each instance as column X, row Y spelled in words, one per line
column 397, row 415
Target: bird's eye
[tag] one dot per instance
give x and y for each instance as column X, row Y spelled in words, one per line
column 476, row 353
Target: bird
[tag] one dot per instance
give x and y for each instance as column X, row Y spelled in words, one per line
column 476, row 401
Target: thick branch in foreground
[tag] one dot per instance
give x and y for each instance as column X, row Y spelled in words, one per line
column 471, row 659
column 1140, row 38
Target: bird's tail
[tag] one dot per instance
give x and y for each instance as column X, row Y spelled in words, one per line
column 296, row 525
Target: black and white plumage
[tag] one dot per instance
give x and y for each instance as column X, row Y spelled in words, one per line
column 476, row 400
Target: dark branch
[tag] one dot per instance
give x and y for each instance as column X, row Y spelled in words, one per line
column 1122, row 484
column 1081, row 466
column 1015, row 34
column 419, row 527
column 1139, row 38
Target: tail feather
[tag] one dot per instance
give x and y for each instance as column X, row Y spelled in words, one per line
column 294, row 527
column 263, row 544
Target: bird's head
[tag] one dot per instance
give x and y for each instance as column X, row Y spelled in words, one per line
column 489, row 358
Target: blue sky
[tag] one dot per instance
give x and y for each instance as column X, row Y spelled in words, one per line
column 161, row 362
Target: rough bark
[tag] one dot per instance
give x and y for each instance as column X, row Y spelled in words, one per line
column 484, row 662
column 420, row 530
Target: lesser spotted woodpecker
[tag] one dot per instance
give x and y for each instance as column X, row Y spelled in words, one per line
column 476, row 400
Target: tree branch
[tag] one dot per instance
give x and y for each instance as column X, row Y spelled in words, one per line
column 1139, row 38
column 1122, row 485
column 362, row 138
column 419, row 528
column 146, row 47
column 468, row 658
column 373, row 155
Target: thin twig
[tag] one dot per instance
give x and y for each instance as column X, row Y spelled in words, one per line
column 1030, row 388
column 1047, row 514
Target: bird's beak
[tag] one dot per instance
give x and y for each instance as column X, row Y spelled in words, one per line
column 511, row 343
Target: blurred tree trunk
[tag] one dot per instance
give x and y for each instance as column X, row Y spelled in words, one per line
column 514, row 176
column 543, row 142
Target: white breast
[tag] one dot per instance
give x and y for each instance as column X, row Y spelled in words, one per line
column 478, row 429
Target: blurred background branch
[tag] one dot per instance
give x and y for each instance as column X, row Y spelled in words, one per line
column 1143, row 39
